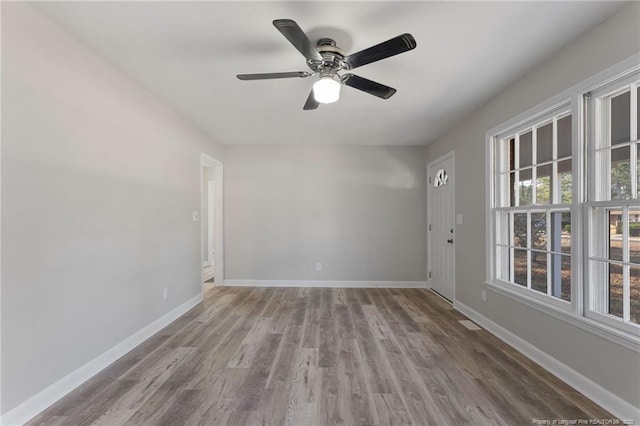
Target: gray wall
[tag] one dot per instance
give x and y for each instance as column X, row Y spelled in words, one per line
column 358, row 210
column 99, row 179
column 615, row 368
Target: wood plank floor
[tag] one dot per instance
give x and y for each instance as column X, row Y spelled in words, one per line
column 267, row 356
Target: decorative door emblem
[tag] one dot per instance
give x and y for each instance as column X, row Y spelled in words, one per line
column 441, row 178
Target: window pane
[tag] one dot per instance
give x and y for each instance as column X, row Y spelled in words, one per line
column 543, row 184
column 512, row 189
column 565, row 181
column 561, row 232
column 511, row 153
column 634, row 235
column 525, row 149
column 620, row 174
column 520, row 267
column 638, row 112
column 638, row 168
column 620, row 118
column 564, row 137
column 615, row 235
column 539, row 231
column 634, row 278
column 525, row 188
column 520, row 229
column 615, row 290
column 544, row 143
column 539, row 271
column 566, row 278
column 561, row 276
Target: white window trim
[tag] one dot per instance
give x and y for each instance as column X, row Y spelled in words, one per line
column 611, row 88
column 573, row 313
column 539, row 115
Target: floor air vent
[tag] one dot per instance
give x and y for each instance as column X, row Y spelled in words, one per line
column 470, row 324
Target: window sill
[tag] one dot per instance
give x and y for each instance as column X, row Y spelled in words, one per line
column 619, row 337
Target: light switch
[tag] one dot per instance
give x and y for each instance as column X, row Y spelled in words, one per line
column 459, row 219
column 196, row 215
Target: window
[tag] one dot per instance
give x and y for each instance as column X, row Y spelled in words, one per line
column 564, row 209
column 614, row 203
column 533, row 205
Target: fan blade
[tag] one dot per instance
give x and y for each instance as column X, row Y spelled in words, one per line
column 270, row 75
column 298, row 38
column 311, row 102
column 402, row 43
column 366, row 85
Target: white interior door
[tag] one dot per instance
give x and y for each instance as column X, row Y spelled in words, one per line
column 441, row 207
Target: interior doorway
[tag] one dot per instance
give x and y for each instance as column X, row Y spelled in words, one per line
column 211, row 213
column 441, row 222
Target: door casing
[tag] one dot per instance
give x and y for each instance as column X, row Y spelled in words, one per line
column 432, row 168
column 218, row 221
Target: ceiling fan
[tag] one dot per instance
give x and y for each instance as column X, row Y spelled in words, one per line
column 325, row 59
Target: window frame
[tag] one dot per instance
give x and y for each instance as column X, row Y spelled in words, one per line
column 538, row 119
column 595, row 133
column 575, row 312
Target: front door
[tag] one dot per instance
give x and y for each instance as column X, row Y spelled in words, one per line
column 441, row 207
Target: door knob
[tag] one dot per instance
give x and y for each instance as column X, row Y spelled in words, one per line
column 450, row 241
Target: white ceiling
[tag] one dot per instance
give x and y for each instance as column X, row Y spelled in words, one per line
column 188, row 54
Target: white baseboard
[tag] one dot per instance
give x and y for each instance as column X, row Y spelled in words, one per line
column 601, row 396
column 45, row 398
column 325, row 284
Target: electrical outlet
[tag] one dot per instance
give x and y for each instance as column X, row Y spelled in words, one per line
column 165, row 294
column 318, row 266
column 483, row 293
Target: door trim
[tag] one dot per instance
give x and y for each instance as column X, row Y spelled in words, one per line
column 430, row 165
column 211, row 194
column 218, row 215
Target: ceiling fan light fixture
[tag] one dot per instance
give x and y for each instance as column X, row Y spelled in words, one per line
column 325, row 59
column 326, row 90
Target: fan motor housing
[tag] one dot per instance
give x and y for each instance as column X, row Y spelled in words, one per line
column 332, row 57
